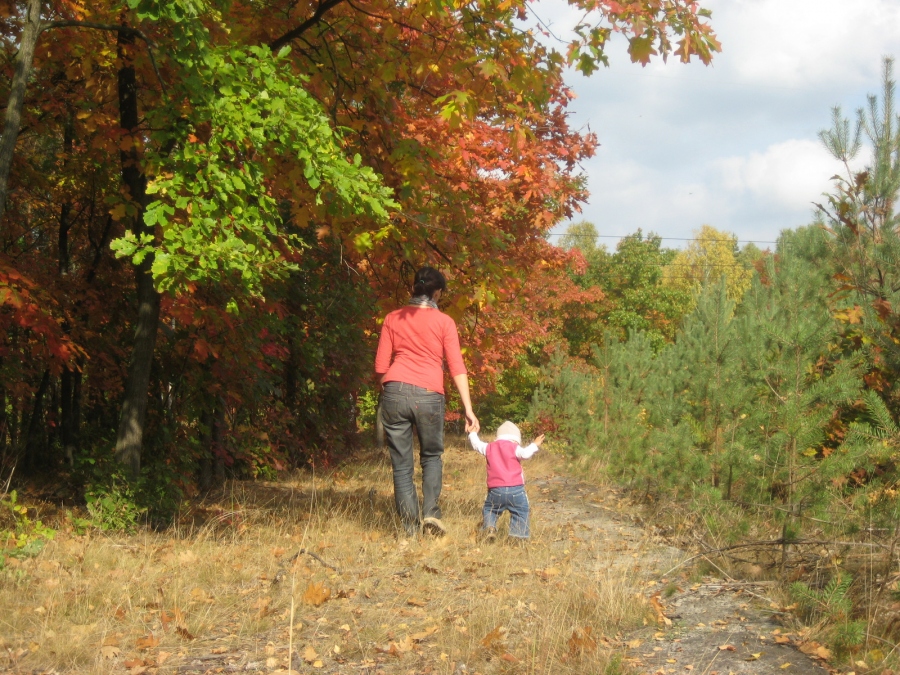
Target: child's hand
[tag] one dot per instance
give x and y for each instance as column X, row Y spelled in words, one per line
column 537, row 441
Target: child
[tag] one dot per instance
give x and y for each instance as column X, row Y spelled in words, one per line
column 506, row 480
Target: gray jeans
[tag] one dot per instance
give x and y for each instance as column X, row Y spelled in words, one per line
column 402, row 407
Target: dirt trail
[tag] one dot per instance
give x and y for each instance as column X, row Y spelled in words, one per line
column 312, row 566
column 717, row 626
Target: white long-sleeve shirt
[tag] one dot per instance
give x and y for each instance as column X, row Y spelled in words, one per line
column 504, row 460
column 522, row 453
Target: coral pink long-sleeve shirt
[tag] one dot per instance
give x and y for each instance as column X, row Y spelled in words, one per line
column 413, row 344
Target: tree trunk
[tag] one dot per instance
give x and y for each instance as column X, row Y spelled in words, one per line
column 3, row 419
column 34, row 423
column 218, row 442
column 69, row 394
column 27, row 42
column 134, row 406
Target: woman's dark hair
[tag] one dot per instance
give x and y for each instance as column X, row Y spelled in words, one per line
column 427, row 281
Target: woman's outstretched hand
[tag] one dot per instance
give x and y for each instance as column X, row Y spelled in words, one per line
column 472, row 423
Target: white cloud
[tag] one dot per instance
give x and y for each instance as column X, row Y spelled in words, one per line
column 790, row 174
column 733, row 145
column 805, row 43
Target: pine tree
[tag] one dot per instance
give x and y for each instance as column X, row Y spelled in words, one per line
column 788, row 339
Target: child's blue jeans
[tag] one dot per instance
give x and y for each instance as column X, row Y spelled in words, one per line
column 512, row 499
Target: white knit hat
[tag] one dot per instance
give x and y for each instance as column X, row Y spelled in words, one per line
column 509, row 432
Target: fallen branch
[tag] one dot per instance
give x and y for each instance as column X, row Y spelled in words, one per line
column 282, row 571
column 774, row 542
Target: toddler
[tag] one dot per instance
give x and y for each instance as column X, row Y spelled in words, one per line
column 506, row 480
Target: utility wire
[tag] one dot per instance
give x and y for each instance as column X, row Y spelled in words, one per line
column 626, row 236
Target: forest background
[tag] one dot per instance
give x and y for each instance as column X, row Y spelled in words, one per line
column 205, row 207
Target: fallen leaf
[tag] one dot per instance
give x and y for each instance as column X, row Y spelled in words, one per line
column 784, row 665
column 183, row 633
column 582, row 641
column 633, row 644
column 109, row 652
column 494, row 638
column 782, row 640
column 262, row 605
column 316, row 594
column 729, row 648
column 405, row 645
column 218, row 650
column 509, row 657
column 147, row 642
column 809, row 648
column 309, row 654
column 660, row 610
column 187, row 558
column 754, row 657
column 823, row 653
column 133, row 663
column 161, row 657
column 418, row 637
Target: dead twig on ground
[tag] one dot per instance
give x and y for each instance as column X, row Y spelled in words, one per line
column 283, row 566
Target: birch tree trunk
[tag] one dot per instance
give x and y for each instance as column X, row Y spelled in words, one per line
column 13, row 122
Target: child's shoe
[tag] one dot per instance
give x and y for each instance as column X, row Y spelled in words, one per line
column 489, row 535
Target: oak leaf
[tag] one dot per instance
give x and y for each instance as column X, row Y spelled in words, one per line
column 495, row 638
column 418, row 637
column 582, row 641
column 316, row 594
column 147, row 642
column 109, row 652
column 660, row 610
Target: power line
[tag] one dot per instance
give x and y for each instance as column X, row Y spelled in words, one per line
column 626, row 236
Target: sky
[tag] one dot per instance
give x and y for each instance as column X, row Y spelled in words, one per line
column 733, row 145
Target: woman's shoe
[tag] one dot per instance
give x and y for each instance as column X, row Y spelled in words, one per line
column 434, row 527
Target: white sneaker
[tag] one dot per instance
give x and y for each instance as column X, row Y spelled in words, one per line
column 434, row 527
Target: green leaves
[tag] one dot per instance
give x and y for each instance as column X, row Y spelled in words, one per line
column 219, row 184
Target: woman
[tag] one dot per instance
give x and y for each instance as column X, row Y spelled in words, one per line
column 409, row 365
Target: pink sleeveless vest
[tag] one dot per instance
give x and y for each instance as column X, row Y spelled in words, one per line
column 504, row 469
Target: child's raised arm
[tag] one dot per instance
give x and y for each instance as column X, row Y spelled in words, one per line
column 477, row 444
column 528, row 451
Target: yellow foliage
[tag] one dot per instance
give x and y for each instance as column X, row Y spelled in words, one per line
column 710, row 257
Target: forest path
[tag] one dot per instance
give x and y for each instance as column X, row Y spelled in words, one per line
column 718, row 626
column 307, row 574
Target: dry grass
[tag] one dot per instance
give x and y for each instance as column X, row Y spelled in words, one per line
column 155, row 602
